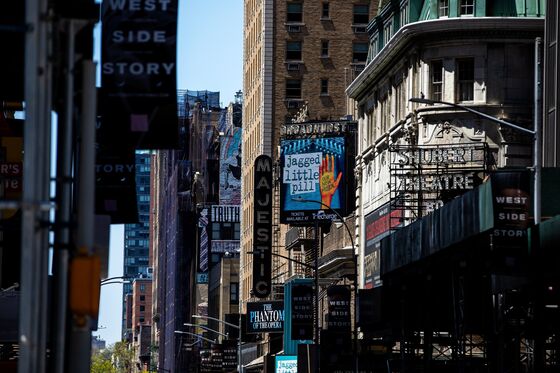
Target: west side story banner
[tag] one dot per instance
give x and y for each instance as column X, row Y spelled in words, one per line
column 138, row 73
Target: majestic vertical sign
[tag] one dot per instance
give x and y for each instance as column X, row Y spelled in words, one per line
column 138, row 72
column 262, row 227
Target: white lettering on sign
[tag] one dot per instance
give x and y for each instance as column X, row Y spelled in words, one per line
column 315, row 128
column 137, row 5
column 138, row 68
column 511, row 200
column 10, row 169
column 509, row 233
column 301, row 172
column 114, row 168
column 139, row 36
column 511, row 216
column 429, row 183
column 447, row 155
column 225, row 213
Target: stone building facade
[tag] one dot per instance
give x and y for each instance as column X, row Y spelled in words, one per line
column 435, row 68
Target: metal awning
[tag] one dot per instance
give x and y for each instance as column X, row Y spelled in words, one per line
column 458, row 220
column 461, row 219
column 255, row 363
column 338, row 263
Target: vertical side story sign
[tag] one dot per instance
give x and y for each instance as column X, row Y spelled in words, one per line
column 138, row 73
column 262, row 228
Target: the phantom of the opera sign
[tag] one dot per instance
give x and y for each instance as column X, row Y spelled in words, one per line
column 265, row 317
column 434, row 174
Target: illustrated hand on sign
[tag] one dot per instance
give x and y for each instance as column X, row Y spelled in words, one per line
column 327, row 183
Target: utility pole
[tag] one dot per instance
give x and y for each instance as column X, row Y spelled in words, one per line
column 35, row 205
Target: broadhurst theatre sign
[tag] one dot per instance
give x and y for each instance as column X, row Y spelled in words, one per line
column 317, row 162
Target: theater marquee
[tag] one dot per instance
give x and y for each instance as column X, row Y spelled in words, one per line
column 265, row 317
column 424, row 177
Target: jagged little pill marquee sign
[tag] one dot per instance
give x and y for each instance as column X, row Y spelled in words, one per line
column 301, row 172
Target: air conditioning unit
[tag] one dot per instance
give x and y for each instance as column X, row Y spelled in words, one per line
column 293, row 104
column 294, row 28
column 292, row 66
column 359, row 29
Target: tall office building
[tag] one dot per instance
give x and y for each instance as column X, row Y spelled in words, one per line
column 181, row 178
column 299, row 57
column 136, row 236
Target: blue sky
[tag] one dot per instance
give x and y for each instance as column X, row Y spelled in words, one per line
column 209, row 56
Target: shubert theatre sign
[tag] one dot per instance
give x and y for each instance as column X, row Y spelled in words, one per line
column 429, row 172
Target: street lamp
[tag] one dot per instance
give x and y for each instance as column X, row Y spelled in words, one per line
column 536, row 133
column 215, row 319
column 206, row 328
column 289, row 259
column 195, row 335
column 354, row 259
column 238, row 327
column 123, row 278
column 114, row 282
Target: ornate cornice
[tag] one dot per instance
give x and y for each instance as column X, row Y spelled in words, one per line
column 454, row 29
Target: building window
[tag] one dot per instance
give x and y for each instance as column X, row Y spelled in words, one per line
column 293, row 50
column 142, row 288
column 294, row 12
column 141, row 320
column 437, row 80
column 325, row 48
column 466, row 8
column 325, row 12
column 373, row 47
column 234, row 292
column 324, row 86
column 443, row 8
column 236, row 231
column 387, row 32
column 293, row 88
column 142, row 298
column 360, row 51
column 225, row 231
column 142, row 308
column 404, row 14
column 361, row 14
column 216, row 231
column 465, row 79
